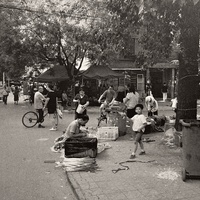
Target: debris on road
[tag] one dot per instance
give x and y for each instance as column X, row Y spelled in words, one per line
column 78, row 164
column 168, row 174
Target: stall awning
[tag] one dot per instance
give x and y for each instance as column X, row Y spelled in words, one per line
column 54, row 74
column 100, row 72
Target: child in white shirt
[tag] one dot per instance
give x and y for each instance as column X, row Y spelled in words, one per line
column 139, row 123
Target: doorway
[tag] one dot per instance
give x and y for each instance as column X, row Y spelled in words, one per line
column 156, row 81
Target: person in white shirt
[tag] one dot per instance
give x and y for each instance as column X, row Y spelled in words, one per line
column 39, row 100
column 151, row 105
column 139, row 123
column 174, row 104
column 131, row 100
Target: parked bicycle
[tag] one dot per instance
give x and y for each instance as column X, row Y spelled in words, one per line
column 104, row 116
column 30, row 118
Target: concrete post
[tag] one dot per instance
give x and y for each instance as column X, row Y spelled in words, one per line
column 173, row 83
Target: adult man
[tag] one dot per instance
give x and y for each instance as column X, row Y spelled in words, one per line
column 52, row 104
column 164, row 91
column 39, row 100
column 73, row 131
column 109, row 96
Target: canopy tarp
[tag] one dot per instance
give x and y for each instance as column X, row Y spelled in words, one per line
column 100, row 72
column 54, row 74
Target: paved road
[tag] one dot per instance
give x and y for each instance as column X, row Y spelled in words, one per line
column 23, row 152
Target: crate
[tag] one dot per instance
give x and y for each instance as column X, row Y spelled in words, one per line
column 108, row 133
column 81, row 147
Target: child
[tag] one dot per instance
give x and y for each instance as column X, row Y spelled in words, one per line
column 139, row 123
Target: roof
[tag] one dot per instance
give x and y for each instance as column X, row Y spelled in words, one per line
column 164, row 66
column 100, row 72
column 124, row 65
column 54, row 74
column 131, row 65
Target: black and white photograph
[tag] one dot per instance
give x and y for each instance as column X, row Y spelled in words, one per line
column 100, row 99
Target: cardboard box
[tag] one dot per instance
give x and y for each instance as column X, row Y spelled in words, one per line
column 108, row 133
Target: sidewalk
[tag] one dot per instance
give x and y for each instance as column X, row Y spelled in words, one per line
column 154, row 176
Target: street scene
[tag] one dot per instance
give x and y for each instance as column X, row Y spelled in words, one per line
column 30, row 172
column 100, row 99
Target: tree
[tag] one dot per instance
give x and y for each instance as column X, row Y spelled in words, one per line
column 13, row 57
column 180, row 17
column 188, row 67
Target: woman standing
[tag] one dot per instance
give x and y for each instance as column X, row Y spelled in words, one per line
column 131, row 100
column 82, row 103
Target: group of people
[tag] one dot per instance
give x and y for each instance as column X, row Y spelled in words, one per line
column 49, row 101
column 131, row 100
column 6, row 91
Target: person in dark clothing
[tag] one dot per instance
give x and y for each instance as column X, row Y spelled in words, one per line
column 51, row 104
column 164, row 91
column 16, row 95
column 121, row 93
column 64, row 100
column 82, row 102
column 148, row 88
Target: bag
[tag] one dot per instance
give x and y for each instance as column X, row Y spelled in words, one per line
column 59, row 112
column 80, row 109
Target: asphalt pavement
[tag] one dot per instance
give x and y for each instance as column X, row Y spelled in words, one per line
column 26, row 173
column 154, row 176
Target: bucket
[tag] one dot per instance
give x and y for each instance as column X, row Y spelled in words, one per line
column 80, row 109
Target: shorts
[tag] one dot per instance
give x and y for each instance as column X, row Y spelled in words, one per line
column 138, row 136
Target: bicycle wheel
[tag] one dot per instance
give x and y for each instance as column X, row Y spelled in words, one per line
column 102, row 118
column 30, row 119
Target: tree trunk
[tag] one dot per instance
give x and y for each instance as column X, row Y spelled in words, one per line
column 188, row 64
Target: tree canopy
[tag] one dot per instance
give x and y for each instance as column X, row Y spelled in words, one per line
column 52, row 31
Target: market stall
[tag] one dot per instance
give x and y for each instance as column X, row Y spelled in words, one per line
column 54, row 74
column 117, row 116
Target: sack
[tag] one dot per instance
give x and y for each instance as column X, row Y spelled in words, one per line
column 59, row 112
column 80, row 109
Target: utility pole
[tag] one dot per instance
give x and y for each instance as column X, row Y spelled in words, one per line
column 4, row 78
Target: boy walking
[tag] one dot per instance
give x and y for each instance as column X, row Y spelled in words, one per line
column 139, row 123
